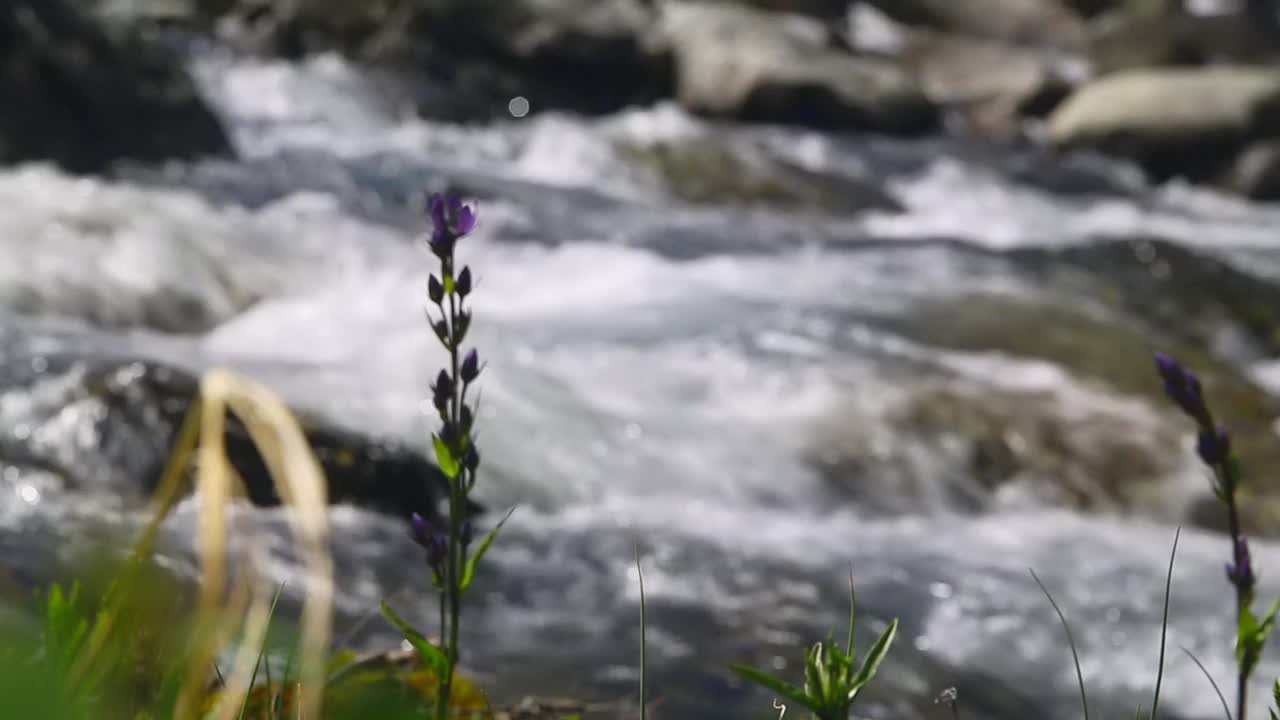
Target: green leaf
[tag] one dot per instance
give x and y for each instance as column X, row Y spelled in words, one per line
column 1253, row 637
column 445, row 459
column 262, row 651
column 875, row 656
column 1268, row 621
column 812, row 674
column 1246, row 626
column 469, row 571
column 432, row 655
column 790, row 692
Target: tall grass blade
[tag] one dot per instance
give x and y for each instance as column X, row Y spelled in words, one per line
column 1226, row 707
column 1075, row 657
column 1164, row 622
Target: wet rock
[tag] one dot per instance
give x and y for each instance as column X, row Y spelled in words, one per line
column 107, row 427
column 1142, row 33
column 705, row 172
column 489, row 50
column 994, row 84
column 776, row 68
column 1177, row 292
column 948, row 444
column 1256, row 172
column 1090, row 8
column 85, row 98
column 1173, row 121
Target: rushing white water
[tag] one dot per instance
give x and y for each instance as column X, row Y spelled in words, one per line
column 655, row 375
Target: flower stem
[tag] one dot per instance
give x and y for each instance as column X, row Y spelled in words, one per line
column 454, row 580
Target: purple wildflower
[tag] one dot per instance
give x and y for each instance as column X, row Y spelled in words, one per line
column 1181, row 385
column 451, row 220
column 425, row 535
column 1214, row 447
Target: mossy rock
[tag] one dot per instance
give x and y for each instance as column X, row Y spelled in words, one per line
column 709, row 173
column 1177, row 291
column 1098, row 347
column 978, row 447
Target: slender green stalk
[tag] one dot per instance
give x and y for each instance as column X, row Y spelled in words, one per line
column 643, row 645
column 1242, row 597
column 1226, row 709
column 1075, row 657
column 1164, row 622
column 453, row 583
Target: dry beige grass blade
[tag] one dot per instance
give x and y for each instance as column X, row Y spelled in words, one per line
column 300, row 483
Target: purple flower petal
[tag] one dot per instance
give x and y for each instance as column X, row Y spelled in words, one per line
column 465, row 220
column 437, row 203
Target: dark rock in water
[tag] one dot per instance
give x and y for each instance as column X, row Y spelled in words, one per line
column 1177, row 291
column 1256, row 172
column 486, row 50
column 109, row 426
column 84, row 98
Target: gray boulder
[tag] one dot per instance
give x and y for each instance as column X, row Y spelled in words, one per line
column 1174, row 121
column 993, row 84
column 777, row 68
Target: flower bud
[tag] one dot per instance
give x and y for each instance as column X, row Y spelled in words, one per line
column 461, row 325
column 442, row 391
column 1182, row 386
column 435, row 290
column 1240, row 572
column 419, row 529
column 471, row 457
column 1214, row 447
column 441, row 329
column 470, row 367
column 463, row 283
